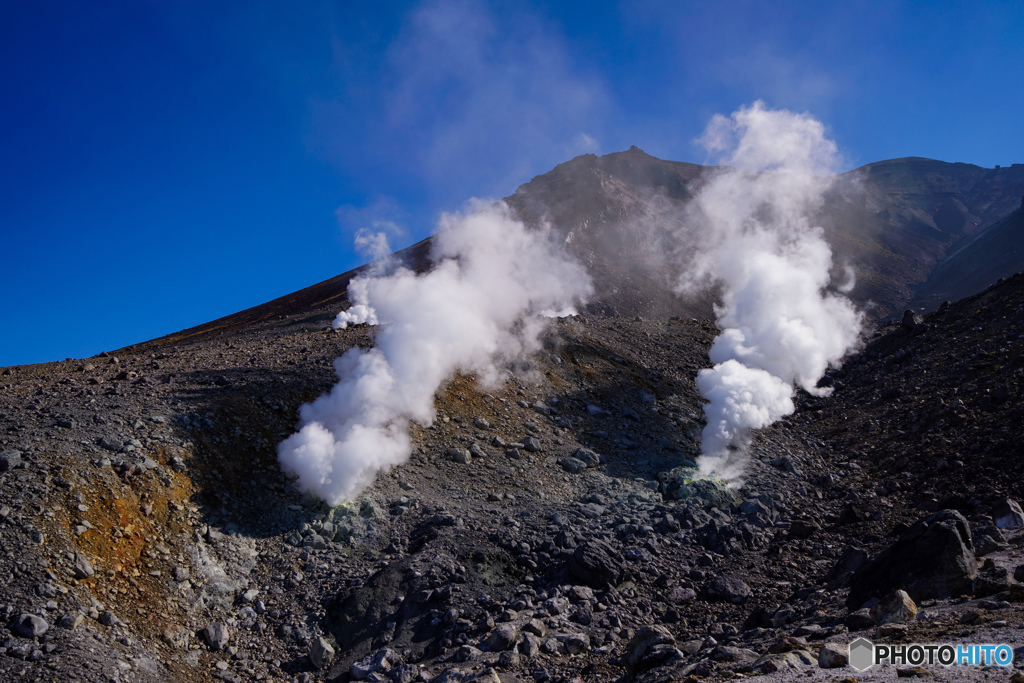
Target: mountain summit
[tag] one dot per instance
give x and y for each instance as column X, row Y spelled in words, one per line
column 893, row 223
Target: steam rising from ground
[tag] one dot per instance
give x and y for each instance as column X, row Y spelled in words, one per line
column 780, row 324
column 481, row 303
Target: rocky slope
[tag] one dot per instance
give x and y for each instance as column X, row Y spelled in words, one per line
column 548, row 529
column 544, row 529
column 984, row 259
column 892, row 222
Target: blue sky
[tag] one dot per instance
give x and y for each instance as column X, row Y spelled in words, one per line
column 166, row 163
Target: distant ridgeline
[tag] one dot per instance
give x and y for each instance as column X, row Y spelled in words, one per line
column 914, row 232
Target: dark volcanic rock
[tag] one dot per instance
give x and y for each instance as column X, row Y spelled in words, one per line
column 850, row 561
column 1007, row 514
column 681, row 484
column 572, row 465
column 82, row 567
column 502, row 638
column 911, row 320
column 216, row 635
column 933, row 558
column 9, row 459
column 30, row 626
column 729, row 588
column 651, row 646
column 596, row 564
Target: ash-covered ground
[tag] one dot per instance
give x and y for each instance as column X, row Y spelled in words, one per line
column 547, row 529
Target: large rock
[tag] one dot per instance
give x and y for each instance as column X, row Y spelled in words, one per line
column 575, row 643
column 988, row 539
column 895, row 608
column 111, row 443
column 859, row 620
column 29, row 626
column 381, row 661
column 833, row 655
column 9, row 459
column 651, row 646
column 572, row 465
column 596, row 564
column 934, row 558
column 794, row 659
column 1007, row 514
column 82, row 567
column 849, row 562
column 70, row 621
column 680, row 595
column 733, row 655
column 587, row 457
column 682, row 483
column 911, row 320
column 729, row 589
column 216, row 635
column 460, row 456
column 321, row 654
column 502, row 638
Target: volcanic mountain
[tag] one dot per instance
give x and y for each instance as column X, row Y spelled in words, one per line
column 892, row 222
column 150, row 535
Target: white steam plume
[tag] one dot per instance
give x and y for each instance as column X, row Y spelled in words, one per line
column 373, row 244
column 481, row 303
column 780, row 325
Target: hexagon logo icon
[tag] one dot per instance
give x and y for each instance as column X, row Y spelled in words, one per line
column 862, row 654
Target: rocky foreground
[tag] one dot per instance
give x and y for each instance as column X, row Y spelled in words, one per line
column 547, row 529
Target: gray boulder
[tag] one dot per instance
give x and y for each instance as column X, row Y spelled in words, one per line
column 596, row 564
column 572, row 465
column 894, row 608
column 680, row 484
column 587, row 457
column 834, row 655
column 729, row 589
column 502, row 638
column 29, row 626
column 651, row 646
column 1007, row 514
column 215, row 635
column 733, row 655
column 321, row 654
column 680, row 595
column 9, row 459
column 575, row 643
column 82, row 567
column 70, row 621
column 460, row 456
column 911, row 320
column 111, row 443
column 934, row 558
column 781, row 661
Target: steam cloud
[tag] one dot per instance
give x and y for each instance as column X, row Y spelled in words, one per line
column 781, row 325
column 482, row 302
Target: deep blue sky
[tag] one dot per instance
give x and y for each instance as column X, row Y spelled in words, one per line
column 166, row 163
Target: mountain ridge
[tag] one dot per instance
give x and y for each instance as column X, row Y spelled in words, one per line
column 894, row 221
